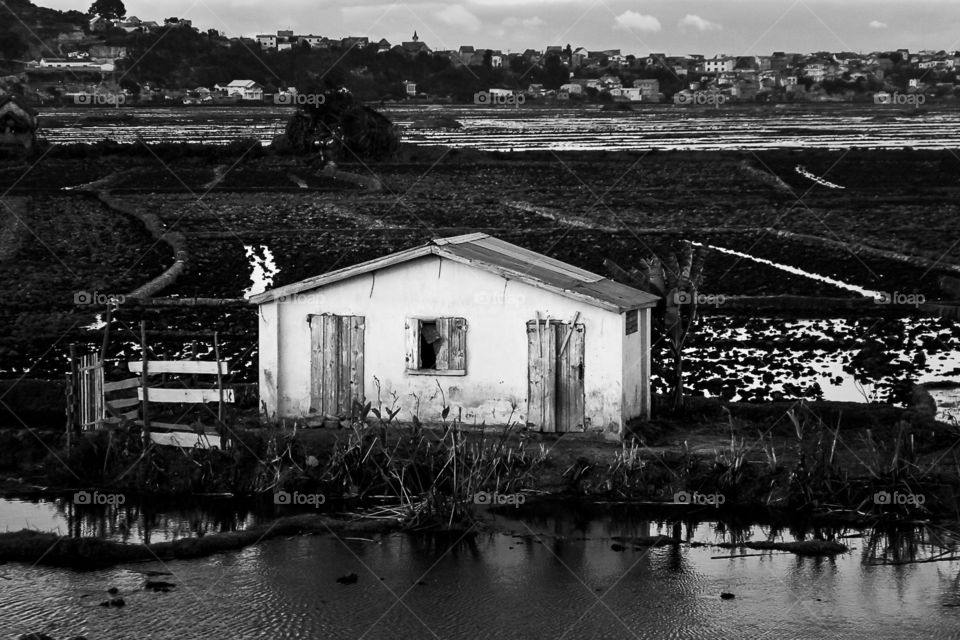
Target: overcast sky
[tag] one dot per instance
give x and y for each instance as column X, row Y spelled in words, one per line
column 675, row 27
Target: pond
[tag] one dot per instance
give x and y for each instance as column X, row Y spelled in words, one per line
column 556, row 576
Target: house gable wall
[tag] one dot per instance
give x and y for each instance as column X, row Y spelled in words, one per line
column 494, row 388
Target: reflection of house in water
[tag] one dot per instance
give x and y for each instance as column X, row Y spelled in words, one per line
column 18, row 122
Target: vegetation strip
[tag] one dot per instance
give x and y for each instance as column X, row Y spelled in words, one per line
column 802, row 548
column 174, row 239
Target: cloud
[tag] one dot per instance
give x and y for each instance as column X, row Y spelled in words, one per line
column 697, row 23
column 456, row 15
column 876, row 24
column 525, row 23
column 636, row 21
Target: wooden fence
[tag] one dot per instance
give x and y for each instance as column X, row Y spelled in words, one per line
column 101, row 404
column 172, row 433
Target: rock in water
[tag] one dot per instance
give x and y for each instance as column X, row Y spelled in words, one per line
column 350, row 578
column 727, row 596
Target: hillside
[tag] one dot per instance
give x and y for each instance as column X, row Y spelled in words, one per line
column 32, row 31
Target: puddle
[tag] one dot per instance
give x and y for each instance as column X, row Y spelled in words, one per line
column 263, row 269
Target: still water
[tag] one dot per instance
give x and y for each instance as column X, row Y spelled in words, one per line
column 554, row 577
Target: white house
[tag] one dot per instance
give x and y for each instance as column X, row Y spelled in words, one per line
column 246, row 89
column 508, row 334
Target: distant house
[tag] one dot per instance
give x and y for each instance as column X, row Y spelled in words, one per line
column 466, row 52
column 580, row 55
column 107, row 52
column 571, row 89
column 649, row 87
column 354, row 42
column 177, row 22
column 414, row 47
column 510, row 335
column 245, row 89
column 267, row 41
column 99, row 23
column 719, row 64
column 63, row 63
column 409, row 88
column 383, row 46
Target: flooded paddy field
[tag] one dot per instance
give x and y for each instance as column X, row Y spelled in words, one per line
column 767, row 230
column 577, row 128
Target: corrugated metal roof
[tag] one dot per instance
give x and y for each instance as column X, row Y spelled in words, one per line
column 503, row 258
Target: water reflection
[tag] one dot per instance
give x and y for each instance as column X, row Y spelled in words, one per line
column 556, row 575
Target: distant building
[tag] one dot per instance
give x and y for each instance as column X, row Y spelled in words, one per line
column 719, row 64
column 649, row 87
column 177, row 22
column 410, row 88
column 267, row 41
column 354, row 42
column 414, row 47
column 245, row 89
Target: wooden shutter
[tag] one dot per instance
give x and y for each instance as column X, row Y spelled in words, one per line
column 541, row 375
column 570, row 373
column 452, row 353
column 412, row 338
column 336, row 363
column 457, row 351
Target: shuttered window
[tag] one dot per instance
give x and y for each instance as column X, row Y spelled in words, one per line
column 436, row 346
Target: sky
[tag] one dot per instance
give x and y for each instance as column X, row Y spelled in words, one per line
column 674, row 27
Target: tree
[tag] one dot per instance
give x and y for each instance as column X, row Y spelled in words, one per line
column 108, row 9
column 341, row 128
column 676, row 279
column 11, row 45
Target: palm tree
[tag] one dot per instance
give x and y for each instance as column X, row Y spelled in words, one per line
column 676, row 278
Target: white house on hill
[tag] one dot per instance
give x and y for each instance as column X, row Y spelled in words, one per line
column 510, row 335
column 246, row 89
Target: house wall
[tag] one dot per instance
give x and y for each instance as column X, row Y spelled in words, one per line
column 636, row 367
column 496, row 310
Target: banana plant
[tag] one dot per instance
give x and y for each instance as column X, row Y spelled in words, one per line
column 676, row 278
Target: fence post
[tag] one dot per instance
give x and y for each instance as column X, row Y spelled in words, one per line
column 144, row 384
column 220, row 427
column 71, row 396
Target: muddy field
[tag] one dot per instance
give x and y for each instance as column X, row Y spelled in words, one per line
column 580, row 208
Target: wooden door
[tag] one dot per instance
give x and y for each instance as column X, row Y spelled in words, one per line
column 336, row 364
column 555, row 389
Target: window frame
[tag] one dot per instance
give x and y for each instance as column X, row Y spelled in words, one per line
column 412, row 339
